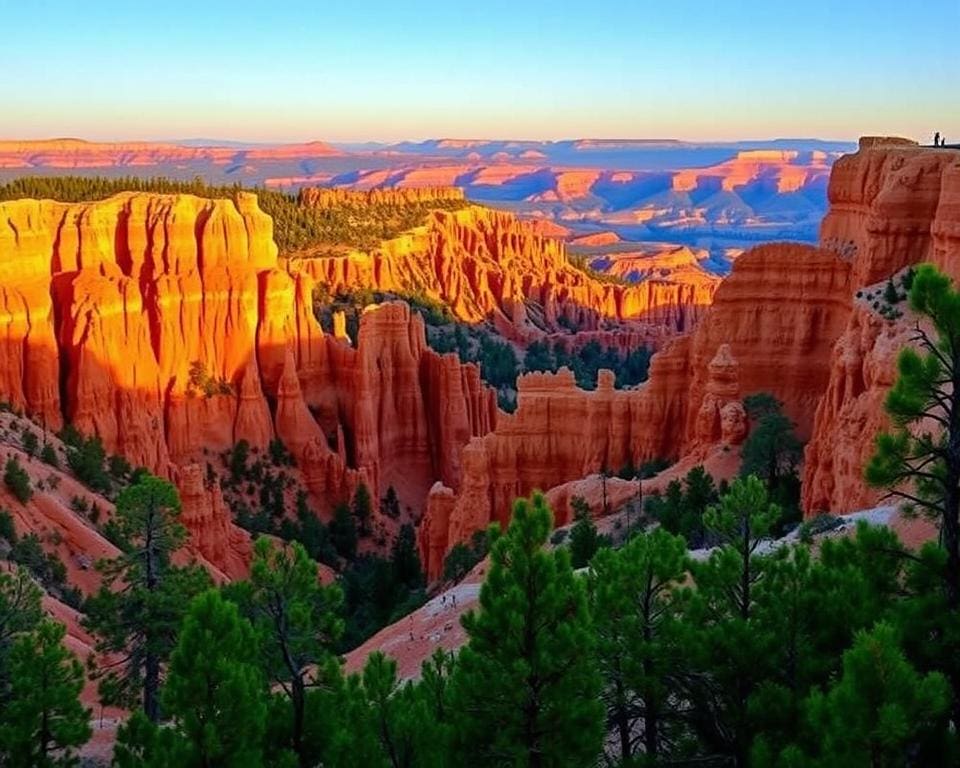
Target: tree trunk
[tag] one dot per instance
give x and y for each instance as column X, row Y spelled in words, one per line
column 950, row 526
column 151, row 688
column 298, row 699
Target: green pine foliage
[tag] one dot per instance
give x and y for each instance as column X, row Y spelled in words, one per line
column 584, row 537
column 881, row 712
column 631, row 593
column 43, row 722
column 922, row 466
column 772, row 452
column 215, row 694
column 526, row 690
column 681, row 508
column 144, row 595
column 17, row 480
column 297, row 621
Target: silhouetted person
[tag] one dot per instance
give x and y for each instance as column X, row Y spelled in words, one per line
column 936, row 139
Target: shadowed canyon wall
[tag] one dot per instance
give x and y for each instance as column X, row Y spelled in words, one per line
column 891, row 204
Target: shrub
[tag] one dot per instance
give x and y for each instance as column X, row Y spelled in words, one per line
column 86, row 458
column 119, row 467
column 17, row 480
column 8, row 531
column 48, row 454
column 30, row 442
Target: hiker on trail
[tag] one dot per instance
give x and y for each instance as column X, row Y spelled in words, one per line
column 936, row 139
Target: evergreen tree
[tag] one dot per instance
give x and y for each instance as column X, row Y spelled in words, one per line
column 396, row 714
column 881, row 713
column 526, row 687
column 362, row 508
column 297, row 621
column 772, row 450
column 138, row 610
column 43, row 721
column 405, row 559
column 48, row 454
column 724, row 643
column 343, row 532
column 17, row 480
column 630, row 594
column 215, row 694
column 30, row 442
column 584, row 539
column 920, row 465
column 20, row 613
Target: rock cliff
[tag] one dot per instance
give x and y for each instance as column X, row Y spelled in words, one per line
column 165, row 325
column 489, row 265
column 770, row 329
column 892, row 204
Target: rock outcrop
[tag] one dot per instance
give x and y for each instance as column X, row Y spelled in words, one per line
column 165, row 325
column 892, row 204
column 770, row 329
column 489, row 265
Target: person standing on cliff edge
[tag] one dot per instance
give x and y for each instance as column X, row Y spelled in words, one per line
column 936, row 139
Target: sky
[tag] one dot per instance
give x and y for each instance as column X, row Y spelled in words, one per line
column 388, row 70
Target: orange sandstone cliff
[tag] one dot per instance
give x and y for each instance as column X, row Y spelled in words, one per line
column 490, row 265
column 892, row 204
column 786, row 321
column 166, row 325
column 770, row 329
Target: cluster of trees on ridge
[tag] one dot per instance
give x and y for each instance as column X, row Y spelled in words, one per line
column 296, row 228
column 751, row 656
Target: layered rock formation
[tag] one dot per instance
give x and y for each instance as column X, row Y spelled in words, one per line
column 489, row 265
column 770, row 329
column 76, row 153
column 165, row 325
column 891, row 204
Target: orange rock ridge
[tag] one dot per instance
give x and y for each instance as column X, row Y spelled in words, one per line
column 147, row 286
column 770, row 329
column 892, row 204
column 77, row 153
column 487, row 264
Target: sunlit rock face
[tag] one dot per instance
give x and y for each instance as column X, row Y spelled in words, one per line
column 165, row 325
column 488, row 265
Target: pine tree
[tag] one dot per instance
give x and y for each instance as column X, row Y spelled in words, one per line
column 405, row 559
column 343, row 532
column 298, row 623
column 630, row 594
column 43, row 721
column 772, row 449
column 881, row 713
column 919, row 464
column 723, row 642
column 17, row 480
column 20, row 612
column 584, row 539
column 526, row 688
column 215, row 693
column 362, row 508
column 138, row 610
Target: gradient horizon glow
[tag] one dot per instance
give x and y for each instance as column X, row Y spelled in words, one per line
column 386, row 70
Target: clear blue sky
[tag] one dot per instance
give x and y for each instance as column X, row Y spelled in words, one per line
column 359, row 70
